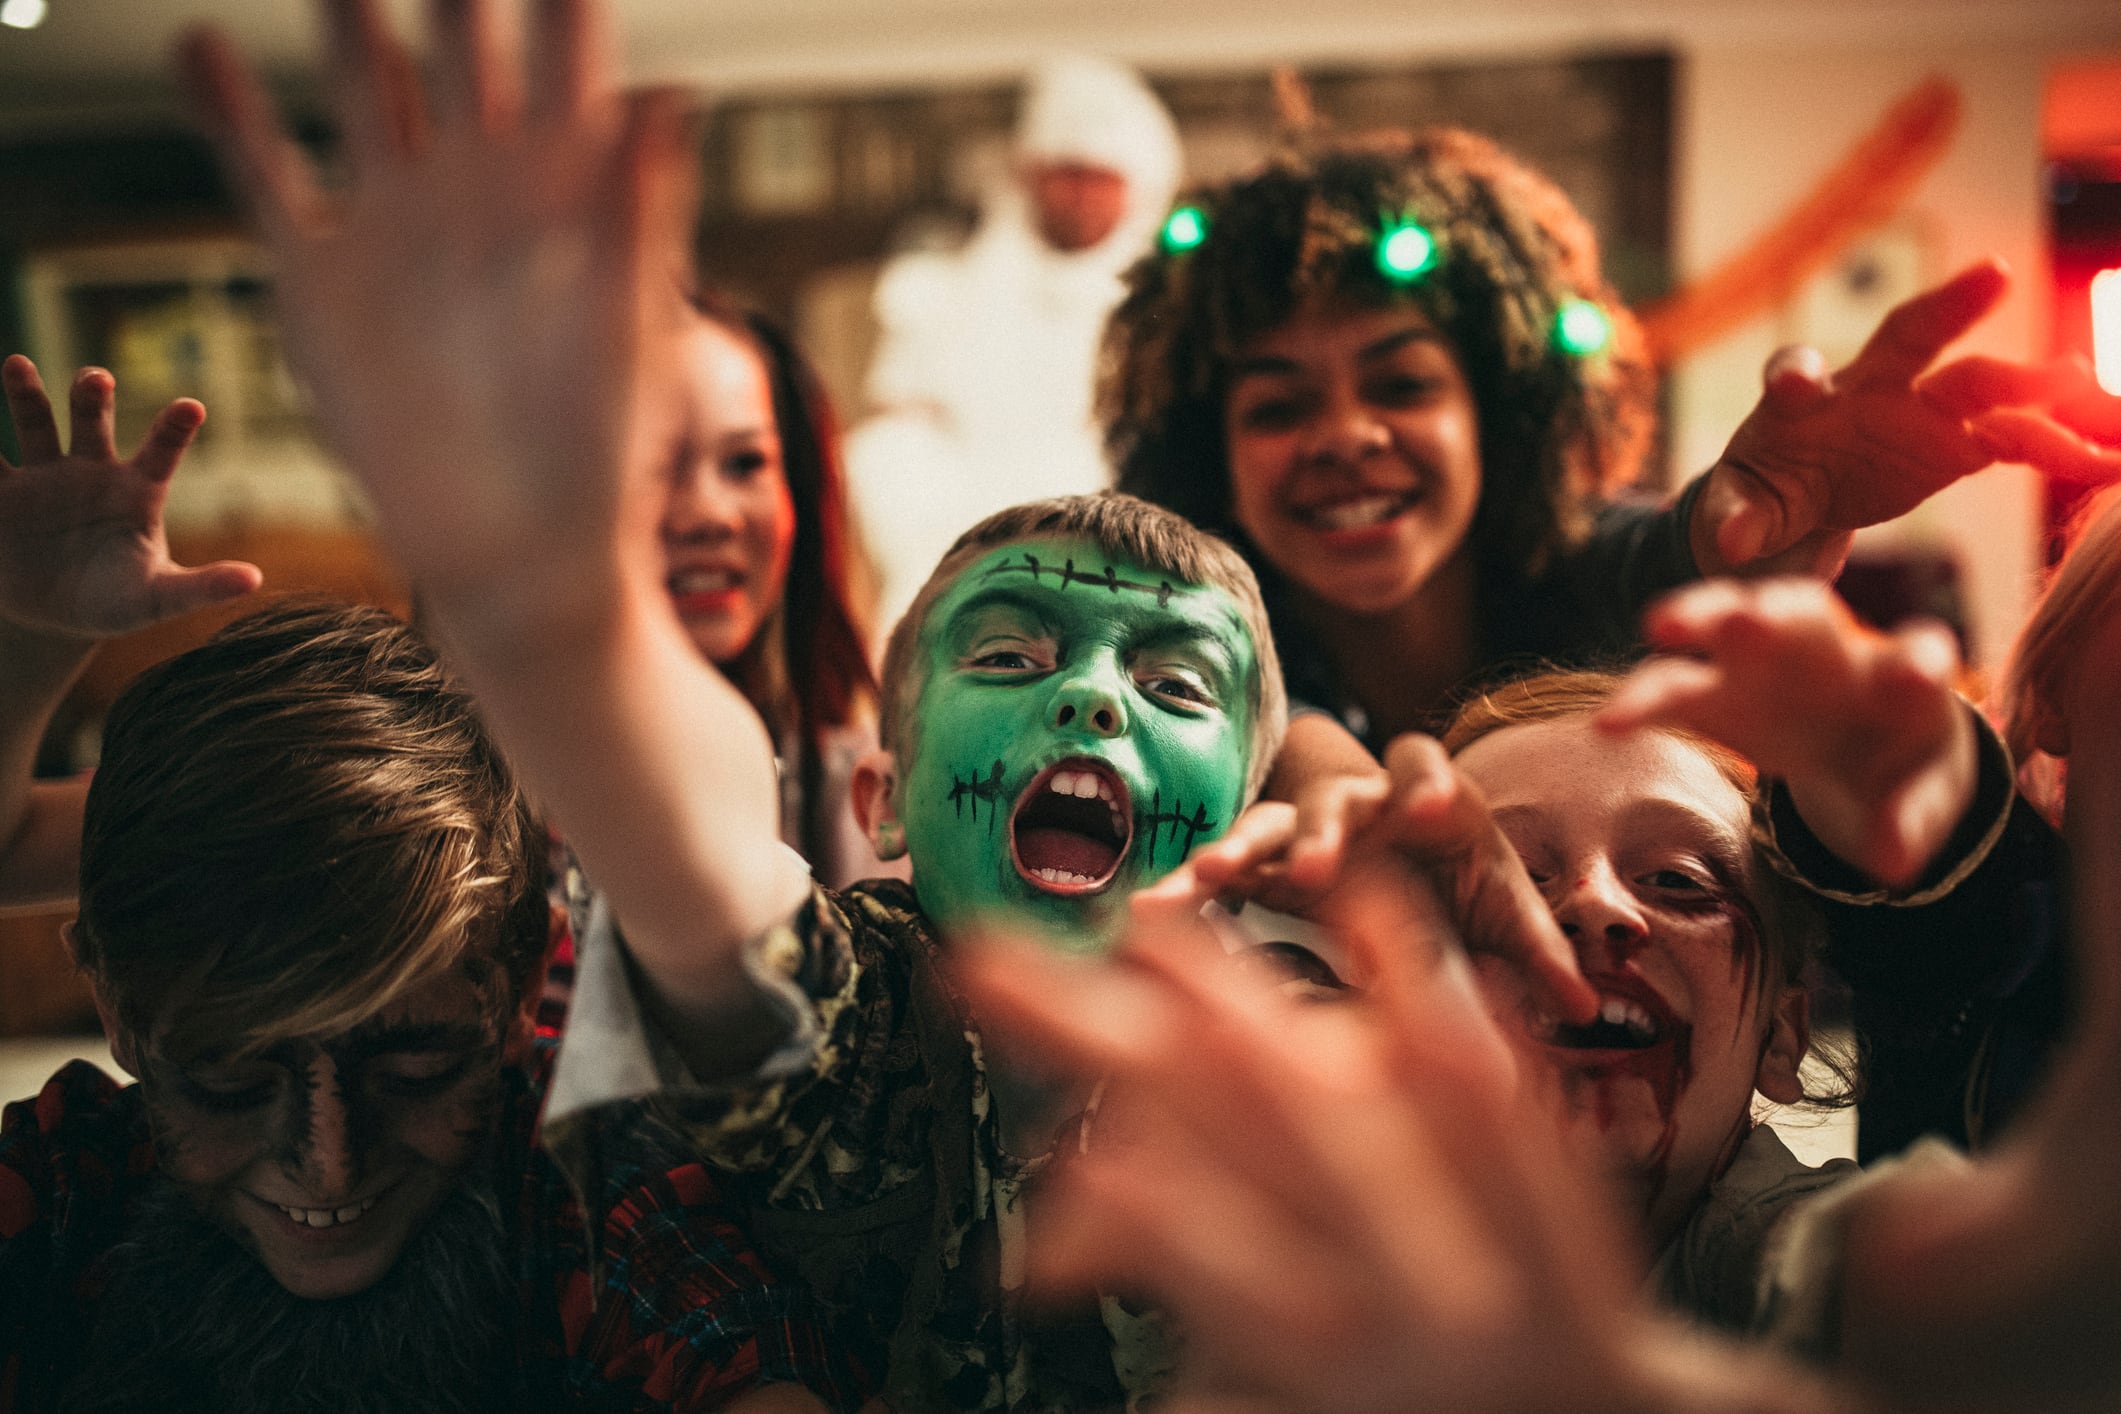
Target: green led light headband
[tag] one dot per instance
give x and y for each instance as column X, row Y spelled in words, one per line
column 1184, row 229
column 1582, row 328
column 1405, row 252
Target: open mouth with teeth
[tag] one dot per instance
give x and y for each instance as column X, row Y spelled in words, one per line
column 1361, row 512
column 1071, row 827
column 696, row 582
column 1631, row 1017
column 327, row 1217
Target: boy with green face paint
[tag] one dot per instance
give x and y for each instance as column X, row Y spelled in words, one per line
column 1080, row 721
column 1082, row 693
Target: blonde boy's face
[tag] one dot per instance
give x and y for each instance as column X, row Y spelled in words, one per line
column 1082, row 725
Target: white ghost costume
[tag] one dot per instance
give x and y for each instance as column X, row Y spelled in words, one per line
column 986, row 355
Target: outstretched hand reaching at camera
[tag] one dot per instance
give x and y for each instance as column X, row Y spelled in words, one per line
column 1823, row 455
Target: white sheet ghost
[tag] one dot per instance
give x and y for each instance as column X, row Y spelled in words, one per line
column 984, row 367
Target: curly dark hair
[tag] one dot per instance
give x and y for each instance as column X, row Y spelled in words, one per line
column 1556, row 429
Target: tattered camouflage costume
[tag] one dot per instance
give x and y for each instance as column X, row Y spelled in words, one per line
column 875, row 1169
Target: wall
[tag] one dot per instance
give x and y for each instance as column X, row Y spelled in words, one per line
column 1761, row 122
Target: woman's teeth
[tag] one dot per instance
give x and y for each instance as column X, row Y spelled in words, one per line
column 702, row 581
column 327, row 1217
column 1357, row 514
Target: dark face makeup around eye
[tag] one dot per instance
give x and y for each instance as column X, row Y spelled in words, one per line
column 323, row 1155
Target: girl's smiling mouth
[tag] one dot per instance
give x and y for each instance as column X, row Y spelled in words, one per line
column 1363, row 511
column 1071, row 827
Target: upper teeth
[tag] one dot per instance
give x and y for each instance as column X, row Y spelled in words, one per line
column 1618, row 1012
column 1356, row 514
column 700, row 581
column 327, row 1217
column 1089, row 785
column 1086, row 784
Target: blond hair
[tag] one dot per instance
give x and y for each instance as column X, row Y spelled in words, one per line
column 2082, row 591
column 293, row 823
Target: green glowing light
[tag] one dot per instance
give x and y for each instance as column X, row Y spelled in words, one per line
column 1582, row 328
column 1186, row 228
column 1405, row 252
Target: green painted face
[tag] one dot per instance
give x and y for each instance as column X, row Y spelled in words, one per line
column 1084, row 724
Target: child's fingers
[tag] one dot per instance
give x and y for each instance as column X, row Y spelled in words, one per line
column 570, row 65
column 1215, row 1250
column 1327, row 816
column 1750, row 515
column 180, row 591
column 36, row 431
column 1795, row 379
column 1261, row 835
column 270, row 174
column 477, row 77
column 1084, row 1018
column 92, row 415
column 1930, row 649
column 1439, row 820
column 2017, row 435
column 1967, row 387
column 1909, row 338
column 656, row 186
column 1682, row 620
column 168, row 437
column 1664, row 692
column 382, row 113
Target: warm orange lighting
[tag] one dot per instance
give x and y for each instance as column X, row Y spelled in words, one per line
column 2106, row 329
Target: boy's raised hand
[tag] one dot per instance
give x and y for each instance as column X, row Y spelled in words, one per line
column 82, row 549
column 1823, row 455
column 472, row 309
column 1877, row 749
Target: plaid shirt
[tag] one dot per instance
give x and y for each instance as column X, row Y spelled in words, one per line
column 868, row 1157
column 671, row 1310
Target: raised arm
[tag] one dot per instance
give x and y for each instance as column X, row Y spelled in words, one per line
column 82, row 558
column 485, row 316
column 1878, row 752
column 1823, row 455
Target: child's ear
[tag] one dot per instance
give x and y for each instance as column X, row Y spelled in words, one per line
column 1789, row 1037
column 2050, row 730
column 875, row 785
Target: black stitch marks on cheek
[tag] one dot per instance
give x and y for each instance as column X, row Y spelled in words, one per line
column 1156, row 819
column 977, row 788
column 1068, row 574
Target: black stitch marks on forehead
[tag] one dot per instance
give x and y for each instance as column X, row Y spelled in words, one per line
column 1068, row 574
column 977, row 788
column 1157, row 819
